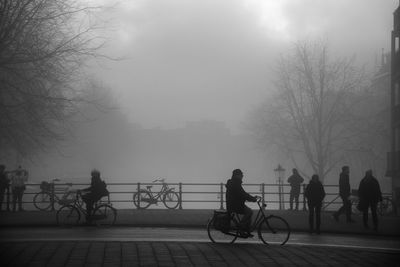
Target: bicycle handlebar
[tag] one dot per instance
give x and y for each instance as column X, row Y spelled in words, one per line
column 159, row 180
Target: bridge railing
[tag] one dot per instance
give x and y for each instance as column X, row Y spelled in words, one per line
column 191, row 195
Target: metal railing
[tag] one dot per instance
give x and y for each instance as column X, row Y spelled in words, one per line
column 191, row 195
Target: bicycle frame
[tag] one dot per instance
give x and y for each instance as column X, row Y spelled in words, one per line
column 259, row 219
column 156, row 196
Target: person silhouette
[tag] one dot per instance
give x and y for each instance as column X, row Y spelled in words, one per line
column 344, row 193
column 295, row 181
column 236, row 198
column 314, row 193
column 369, row 193
column 4, row 183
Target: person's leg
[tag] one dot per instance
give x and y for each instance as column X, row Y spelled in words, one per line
column 291, row 199
column 311, row 217
column 340, row 210
column 2, row 191
column 347, row 208
column 20, row 195
column 246, row 220
column 318, row 218
column 14, row 198
column 365, row 216
column 374, row 215
column 296, row 198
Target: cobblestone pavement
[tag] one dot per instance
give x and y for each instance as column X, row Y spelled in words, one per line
column 65, row 253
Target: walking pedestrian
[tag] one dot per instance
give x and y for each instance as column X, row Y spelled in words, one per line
column 295, row 181
column 18, row 179
column 344, row 193
column 314, row 193
column 369, row 193
column 4, row 183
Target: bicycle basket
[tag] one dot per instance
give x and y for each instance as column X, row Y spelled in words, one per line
column 222, row 221
column 45, row 186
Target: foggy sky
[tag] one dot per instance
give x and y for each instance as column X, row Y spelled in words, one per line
column 188, row 60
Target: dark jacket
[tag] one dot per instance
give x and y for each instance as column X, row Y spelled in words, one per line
column 97, row 189
column 315, row 193
column 295, row 180
column 369, row 190
column 4, row 181
column 236, row 196
column 344, row 185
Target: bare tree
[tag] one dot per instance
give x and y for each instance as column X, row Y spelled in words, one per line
column 310, row 115
column 43, row 45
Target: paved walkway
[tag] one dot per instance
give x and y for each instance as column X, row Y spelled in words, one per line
column 185, row 254
column 298, row 220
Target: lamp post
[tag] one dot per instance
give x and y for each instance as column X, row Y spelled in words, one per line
column 279, row 174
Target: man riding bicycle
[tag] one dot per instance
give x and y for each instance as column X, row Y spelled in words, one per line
column 94, row 192
column 236, row 197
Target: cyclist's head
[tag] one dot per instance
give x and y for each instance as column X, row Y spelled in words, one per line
column 294, row 170
column 237, row 174
column 95, row 173
column 315, row 177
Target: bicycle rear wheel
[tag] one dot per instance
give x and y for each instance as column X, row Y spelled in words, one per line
column 387, row 207
column 217, row 236
column 68, row 216
column 274, row 230
column 42, row 201
column 104, row 215
column 171, row 200
column 142, row 199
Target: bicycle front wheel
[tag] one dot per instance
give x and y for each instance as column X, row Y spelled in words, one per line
column 274, row 230
column 104, row 215
column 171, row 200
column 68, row 216
column 42, row 201
column 217, row 236
column 142, row 199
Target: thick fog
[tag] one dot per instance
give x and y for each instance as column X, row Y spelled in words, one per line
column 188, row 74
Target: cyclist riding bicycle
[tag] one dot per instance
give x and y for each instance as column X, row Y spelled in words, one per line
column 94, row 192
column 235, row 199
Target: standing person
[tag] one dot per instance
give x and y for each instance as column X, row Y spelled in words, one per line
column 4, row 183
column 18, row 179
column 236, row 197
column 314, row 193
column 369, row 193
column 295, row 181
column 344, row 193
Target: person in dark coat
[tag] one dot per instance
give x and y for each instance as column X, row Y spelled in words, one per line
column 369, row 193
column 344, row 193
column 295, row 181
column 236, row 198
column 314, row 193
column 94, row 192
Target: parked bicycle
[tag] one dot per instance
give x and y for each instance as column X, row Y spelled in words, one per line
column 103, row 214
column 145, row 197
column 226, row 228
column 49, row 195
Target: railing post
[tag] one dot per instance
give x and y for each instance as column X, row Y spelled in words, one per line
column 180, row 196
column 304, row 198
column 263, row 194
column 221, row 207
column 8, row 197
column 138, row 195
column 52, row 191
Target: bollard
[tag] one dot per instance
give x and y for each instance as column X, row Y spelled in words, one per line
column 221, row 207
column 138, row 194
column 304, row 198
column 180, row 196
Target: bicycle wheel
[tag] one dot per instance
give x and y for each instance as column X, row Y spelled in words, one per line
column 217, row 236
column 142, row 199
column 104, row 215
column 171, row 200
column 274, row 230
column 42, row 201
column 68, row 216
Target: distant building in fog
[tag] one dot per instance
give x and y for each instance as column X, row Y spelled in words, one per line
column 393, row 169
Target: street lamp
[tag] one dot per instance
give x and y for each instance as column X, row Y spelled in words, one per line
column 279, row 174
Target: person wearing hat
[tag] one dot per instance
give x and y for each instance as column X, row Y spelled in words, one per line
column 236, row 198
column 369, row 193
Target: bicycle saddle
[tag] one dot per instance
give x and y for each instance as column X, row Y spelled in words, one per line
column 149, row 186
